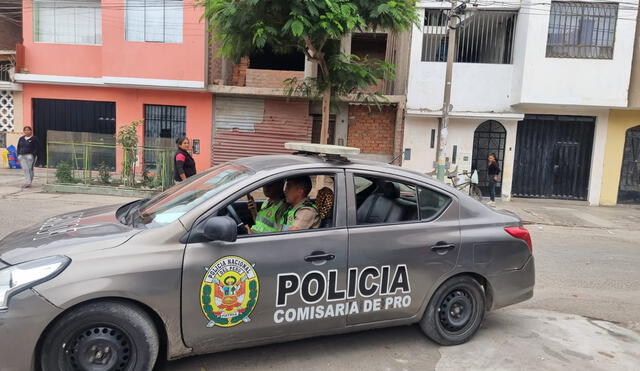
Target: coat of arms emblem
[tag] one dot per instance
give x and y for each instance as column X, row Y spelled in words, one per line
column 229, row 292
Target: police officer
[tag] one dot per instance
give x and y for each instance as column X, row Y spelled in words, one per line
column 269, row 218
column 302, row 214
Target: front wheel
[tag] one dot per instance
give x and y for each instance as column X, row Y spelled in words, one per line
column 101, row 336
column 455, row 312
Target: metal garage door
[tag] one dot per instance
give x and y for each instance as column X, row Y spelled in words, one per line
column 74, row 116
column 553, row 157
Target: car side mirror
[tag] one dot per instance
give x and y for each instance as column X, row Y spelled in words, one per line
column 220, row 228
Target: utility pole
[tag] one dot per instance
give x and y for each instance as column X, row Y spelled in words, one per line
column 451, row 52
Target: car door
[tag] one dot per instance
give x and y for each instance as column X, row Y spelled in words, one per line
column 398, row 261
column 286, row 275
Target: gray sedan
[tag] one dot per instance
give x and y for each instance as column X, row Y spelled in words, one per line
column 186, row 273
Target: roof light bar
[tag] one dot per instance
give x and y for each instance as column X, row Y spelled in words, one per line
column 326, row 149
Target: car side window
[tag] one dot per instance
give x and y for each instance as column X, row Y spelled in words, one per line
column 269, row 209
column 384, row 201
column 431, row 203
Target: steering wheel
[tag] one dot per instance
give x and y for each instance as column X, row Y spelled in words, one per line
column 234, row 215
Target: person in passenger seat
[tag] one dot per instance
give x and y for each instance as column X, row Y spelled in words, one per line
column 302, row 214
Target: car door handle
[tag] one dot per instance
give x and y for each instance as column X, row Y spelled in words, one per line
column 441, row 246
column 319, row 257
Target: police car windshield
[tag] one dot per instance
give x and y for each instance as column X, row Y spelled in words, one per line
column 171, row 204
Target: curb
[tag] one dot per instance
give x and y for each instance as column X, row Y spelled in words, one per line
column 98, row 190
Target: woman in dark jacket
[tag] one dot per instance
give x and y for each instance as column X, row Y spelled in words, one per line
column 183, row 164
column 493, row 169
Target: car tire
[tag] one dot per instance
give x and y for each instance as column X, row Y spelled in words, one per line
column 109, row 335
column 455, row 312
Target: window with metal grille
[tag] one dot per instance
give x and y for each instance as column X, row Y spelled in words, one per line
column 162, row 126
column 483, row 36
column 582, row 30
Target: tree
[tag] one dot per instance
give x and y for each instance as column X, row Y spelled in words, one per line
column 315, row 28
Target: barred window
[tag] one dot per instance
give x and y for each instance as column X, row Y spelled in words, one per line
column 582, row 30
column 483, row 36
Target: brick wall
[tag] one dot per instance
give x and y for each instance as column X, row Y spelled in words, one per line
column 270, row 78
column 215, row 64
column 239, row 73
column 10, row 34
column 372, row 131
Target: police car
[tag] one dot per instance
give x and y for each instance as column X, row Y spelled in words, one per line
column 114, row 288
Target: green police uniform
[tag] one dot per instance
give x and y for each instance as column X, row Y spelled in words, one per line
column 269, row 218
column 290, row 216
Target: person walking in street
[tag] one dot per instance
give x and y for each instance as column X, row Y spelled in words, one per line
column 493, row 170
column 183, row 164
column 28, row 146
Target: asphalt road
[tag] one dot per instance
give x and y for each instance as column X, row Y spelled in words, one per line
column 585, row 313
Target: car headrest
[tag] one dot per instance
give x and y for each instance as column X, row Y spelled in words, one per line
column 391, row 190
column 324, row 202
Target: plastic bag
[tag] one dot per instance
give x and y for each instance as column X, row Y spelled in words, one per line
column 474, row 177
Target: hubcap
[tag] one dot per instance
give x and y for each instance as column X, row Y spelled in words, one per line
column 102, row 348
column 455, row 311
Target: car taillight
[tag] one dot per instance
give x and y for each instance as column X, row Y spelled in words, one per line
column 522, row 233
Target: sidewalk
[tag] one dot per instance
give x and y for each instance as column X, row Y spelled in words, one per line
column 573, row 213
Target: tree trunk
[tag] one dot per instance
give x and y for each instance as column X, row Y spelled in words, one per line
column 326, row 112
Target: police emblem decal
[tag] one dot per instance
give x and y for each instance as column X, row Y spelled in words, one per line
column 229, row 292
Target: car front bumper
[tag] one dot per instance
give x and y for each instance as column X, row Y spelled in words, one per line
column 20, row 328
column 513, row 287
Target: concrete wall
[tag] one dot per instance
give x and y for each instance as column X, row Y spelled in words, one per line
column 619, row 122
column 476, row 87
column 461, row 131
column 570, row 81
column 117, row 57
column 532, row 78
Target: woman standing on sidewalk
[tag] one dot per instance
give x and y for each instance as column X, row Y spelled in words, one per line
column 183, row 164
column 28, row 154
column 493, row 169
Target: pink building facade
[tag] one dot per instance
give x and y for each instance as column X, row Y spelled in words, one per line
column 95, row 66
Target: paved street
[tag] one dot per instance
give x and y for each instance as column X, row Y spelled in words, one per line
column 585, row 314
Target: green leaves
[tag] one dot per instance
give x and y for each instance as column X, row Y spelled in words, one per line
column 314, row 27
column 297, row 28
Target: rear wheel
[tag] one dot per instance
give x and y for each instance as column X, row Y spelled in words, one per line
column 455, row 311
column 101, row 336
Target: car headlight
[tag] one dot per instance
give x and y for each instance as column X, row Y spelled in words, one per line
column 22, row 276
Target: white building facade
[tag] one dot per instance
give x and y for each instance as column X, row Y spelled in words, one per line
column 533, row 82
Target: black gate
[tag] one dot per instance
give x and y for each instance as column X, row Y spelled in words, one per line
column 72, row 115
column 490, row 137
column 629, row 191
column 553, row 157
